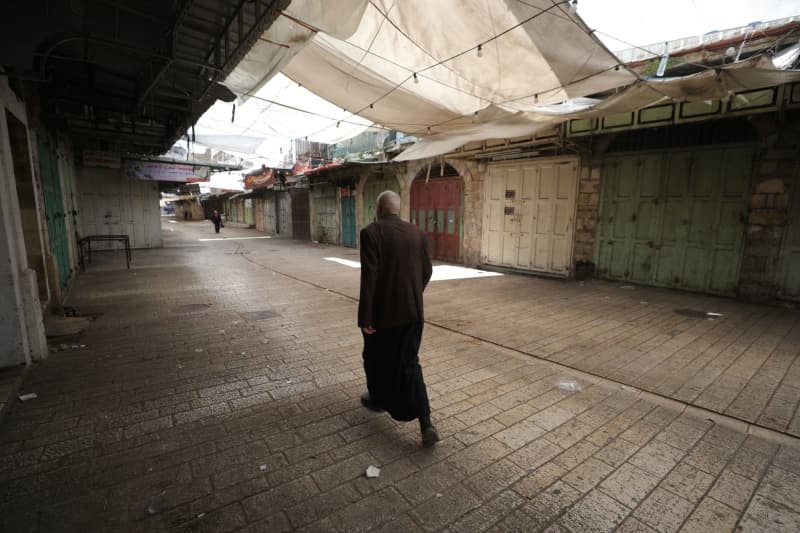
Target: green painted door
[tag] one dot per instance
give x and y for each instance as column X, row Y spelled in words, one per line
column 349, row 221
column 248, row 212
column 675, row 219
column 372, row 188
column 790, row 256
column 54, row 207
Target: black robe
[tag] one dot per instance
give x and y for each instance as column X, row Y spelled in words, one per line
column 395, row 269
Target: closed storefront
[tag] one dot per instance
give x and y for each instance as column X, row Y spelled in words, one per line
column 283, row 214
column 529, row 214
column 675, row 218
column 373, row 186
column 301, row 215
column 436, row 208
column 325, row 214
column 109, row 204
column 270, row 204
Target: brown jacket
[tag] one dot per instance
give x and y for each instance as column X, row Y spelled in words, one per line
column 395, row 268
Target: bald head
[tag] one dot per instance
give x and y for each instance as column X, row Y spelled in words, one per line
column 388, row 204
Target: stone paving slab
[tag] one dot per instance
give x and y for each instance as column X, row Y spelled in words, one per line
column 186, row 411
column 744, row 364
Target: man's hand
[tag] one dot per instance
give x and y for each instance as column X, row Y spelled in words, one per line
column 369, row 330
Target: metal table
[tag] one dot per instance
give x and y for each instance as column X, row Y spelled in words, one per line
column 89, row 239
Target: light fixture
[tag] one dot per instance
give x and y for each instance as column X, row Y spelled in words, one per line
column 370, row 106
column 416, row 79
column 480, row 50
column 573, row 6
column 535, row 98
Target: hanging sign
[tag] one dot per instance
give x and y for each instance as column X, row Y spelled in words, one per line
column 156, row 171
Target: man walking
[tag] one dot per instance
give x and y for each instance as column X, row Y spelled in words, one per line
column 216, row 218
column 395, row 268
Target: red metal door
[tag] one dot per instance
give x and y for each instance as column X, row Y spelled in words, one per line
column 436, row 209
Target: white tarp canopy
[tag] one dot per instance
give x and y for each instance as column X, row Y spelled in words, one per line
column 455, row 71
column 278, row 112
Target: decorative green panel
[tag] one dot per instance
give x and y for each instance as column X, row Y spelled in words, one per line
column 754, row 99
column 582, row 125
column 724, row 269
column 657, row 114
column 795, row 98
column 643, row 259
column 618, row 120
column 699, row 109
column 669, row 268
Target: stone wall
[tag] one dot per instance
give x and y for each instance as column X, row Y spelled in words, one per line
column 776, row 171
column 473, row 174
column 588, row 209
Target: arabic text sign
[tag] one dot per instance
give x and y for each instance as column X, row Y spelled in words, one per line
column 155, row 171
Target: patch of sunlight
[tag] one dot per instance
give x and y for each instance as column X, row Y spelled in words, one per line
column 448, row 272
column 440, row 272
column 345, row 262
column 235, row 238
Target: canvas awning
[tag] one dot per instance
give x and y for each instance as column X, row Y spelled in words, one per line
column 455, row 71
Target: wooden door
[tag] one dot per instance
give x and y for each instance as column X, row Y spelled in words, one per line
column 301, row 215
column 436, row 209
column 529, row 212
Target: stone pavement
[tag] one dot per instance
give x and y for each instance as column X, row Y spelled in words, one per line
column 218, row 391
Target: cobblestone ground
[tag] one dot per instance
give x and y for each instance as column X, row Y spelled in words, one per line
column 218, row 391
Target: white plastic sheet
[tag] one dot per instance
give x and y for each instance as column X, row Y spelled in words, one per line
column 414, row 66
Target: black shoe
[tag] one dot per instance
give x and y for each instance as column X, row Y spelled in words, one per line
column 429, row 436
column 369, row 404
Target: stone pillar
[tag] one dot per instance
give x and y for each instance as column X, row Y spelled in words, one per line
column 473, row 174
column 22, row 336
column 588, row 209
column 776, row 173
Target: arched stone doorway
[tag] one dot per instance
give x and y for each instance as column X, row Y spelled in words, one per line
column 437, row 209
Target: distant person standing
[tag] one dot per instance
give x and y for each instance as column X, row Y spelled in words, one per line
column 216, row 218
column 395, row 269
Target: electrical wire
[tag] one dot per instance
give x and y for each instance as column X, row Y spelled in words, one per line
column 419, row 46
column 369, row 48
column 442, row 62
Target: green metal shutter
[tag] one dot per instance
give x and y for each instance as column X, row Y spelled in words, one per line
column 372, row 188
column 54, row 207
column 675, row 219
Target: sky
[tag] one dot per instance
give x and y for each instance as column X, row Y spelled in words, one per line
column 643, row 22
column 620, row 24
